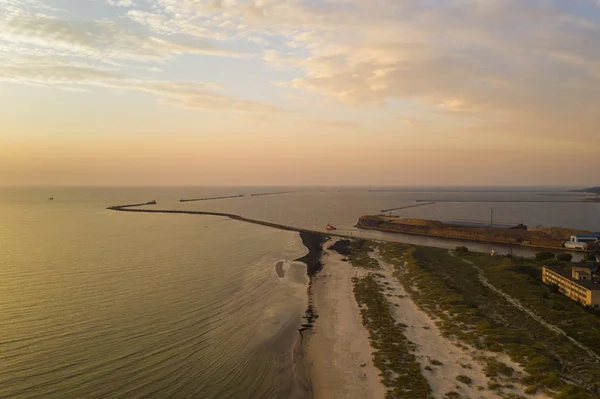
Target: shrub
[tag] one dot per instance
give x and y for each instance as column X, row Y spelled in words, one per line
column 452, row 395
column 464, row 379
column 540, row 256
column 462, row 250
column 565, row 257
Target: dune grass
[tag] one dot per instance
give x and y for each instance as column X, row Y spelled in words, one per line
column 400, row 370
column 448, row 288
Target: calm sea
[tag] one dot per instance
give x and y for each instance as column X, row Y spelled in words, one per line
column 100, row 304
column 103, row 304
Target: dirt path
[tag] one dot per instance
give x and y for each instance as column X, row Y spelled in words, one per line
column 519, row 305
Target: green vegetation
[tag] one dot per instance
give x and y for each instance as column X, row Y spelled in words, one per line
column 449, row 288
column 357, row 252
column 400, row 370
column 462, row 250
column 464, row 379
column 359, row 256
column 540, row 256
column 452, row 395
column 564, row 257
column 494, row 368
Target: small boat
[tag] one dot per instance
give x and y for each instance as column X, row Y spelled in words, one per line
column 330, row 227
column 51, row 199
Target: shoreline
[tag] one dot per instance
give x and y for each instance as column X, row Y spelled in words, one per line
column 337, row 352
column 467, row 240
column 302, row 378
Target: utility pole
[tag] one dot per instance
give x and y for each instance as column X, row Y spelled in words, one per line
column 491, row 228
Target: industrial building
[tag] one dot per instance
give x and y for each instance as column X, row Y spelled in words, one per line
column 591, row 237
column 582, row 246
column 580, row 284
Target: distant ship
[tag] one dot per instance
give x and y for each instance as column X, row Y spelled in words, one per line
column 330, row 227
column 51, row 198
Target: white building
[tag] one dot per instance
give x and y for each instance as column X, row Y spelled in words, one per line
column 591, row 237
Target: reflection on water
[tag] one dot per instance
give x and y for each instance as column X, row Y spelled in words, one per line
column 97, row 304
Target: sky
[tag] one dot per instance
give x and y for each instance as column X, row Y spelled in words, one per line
column 299, row 92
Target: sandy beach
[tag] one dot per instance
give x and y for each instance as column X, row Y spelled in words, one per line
column 338, row 354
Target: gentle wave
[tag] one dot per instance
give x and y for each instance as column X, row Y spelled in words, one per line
column 146, row 308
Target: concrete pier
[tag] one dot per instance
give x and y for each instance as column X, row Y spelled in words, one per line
column 406, row 207
column 211, row 198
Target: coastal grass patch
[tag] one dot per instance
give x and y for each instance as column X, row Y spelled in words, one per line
column 357, row 252
column 464, row 379
column 400, row 370
column 468, row 311
column 360, row 256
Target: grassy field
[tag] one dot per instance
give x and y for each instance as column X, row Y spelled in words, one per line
column 448, row 288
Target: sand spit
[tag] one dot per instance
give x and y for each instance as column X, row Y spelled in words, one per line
column 338, row 354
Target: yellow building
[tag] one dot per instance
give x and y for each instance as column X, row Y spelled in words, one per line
column 580, row 285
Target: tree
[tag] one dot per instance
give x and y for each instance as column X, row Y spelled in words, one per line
column 540, row 256
column 565, row 257
column 462, row 250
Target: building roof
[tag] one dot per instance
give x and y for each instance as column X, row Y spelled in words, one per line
column 589, row 235
column 592, row 285
column 468, row 223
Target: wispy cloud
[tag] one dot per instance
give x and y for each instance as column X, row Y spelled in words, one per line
column 121, row 3
column 75, row 76
column 46, row 34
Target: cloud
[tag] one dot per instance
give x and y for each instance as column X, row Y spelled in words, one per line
column 53, row 71
column 162, row 24
column 456, row 58
column 104, row 39
column 121, row 3
column 192, row 96
column 74, row 76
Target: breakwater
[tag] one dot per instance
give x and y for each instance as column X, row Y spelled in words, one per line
column 505, row 201
column 118, row 207
column 406, row 207
column 276, row 193
column 313, row 240
column 210, row 198
column 127, row 208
